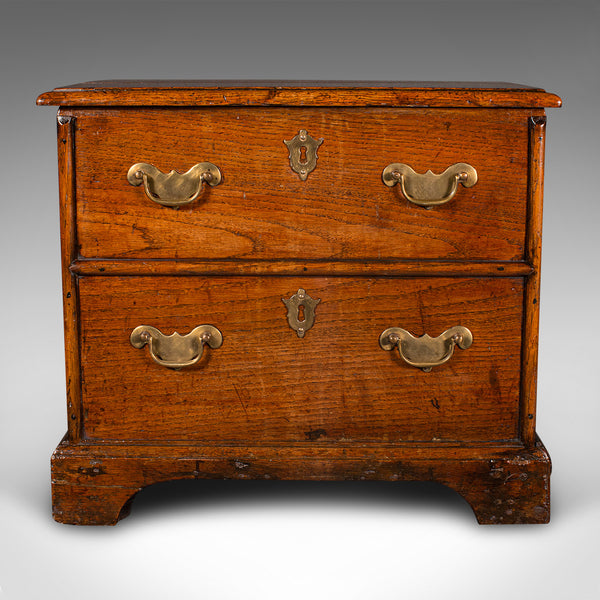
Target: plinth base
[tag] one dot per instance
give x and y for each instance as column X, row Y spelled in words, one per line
column 94, row 484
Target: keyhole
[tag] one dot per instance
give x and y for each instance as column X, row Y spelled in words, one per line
column 301, row 313
column 303, row 154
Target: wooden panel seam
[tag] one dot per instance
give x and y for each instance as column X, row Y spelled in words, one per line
column 288, row 267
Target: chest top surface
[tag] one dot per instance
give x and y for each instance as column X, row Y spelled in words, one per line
column 298, row 93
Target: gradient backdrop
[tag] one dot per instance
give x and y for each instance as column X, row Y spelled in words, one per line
column 269, row 540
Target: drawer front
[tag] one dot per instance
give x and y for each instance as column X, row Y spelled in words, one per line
column 262, row 209
column 265, row 384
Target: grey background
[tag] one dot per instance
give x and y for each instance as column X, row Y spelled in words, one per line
column 269, row 540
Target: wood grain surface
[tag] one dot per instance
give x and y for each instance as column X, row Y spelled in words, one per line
column 95, row 484
column 68, row 233
column 263, row 210
column 355, row 268
column 265, row 384
column 294, row 93
column 531, row 317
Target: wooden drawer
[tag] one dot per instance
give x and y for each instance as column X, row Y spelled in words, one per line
column 266, row 384
column 262, row 209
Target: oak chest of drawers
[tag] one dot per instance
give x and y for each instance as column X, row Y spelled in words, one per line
column 301, row 280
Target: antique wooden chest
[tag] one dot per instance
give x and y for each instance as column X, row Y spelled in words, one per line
column 301, row 280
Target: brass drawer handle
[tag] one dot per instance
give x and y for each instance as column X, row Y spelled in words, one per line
column 176, row 351
column 173, row 189
column 426, row 352
column 429, row 189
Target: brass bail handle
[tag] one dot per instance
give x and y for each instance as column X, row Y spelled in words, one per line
column 173, row 188
column 176, row 351
column 429, row 189
column 426, row 352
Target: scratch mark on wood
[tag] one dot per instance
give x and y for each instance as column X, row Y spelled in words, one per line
column 239, row 397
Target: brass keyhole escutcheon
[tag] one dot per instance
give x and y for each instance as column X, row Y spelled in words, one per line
column 301, row 311
column 303, row 153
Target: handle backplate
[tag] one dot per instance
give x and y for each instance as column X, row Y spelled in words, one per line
column 426, row 352
column 429, row 189
column 176, row 351
column 173, row 188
